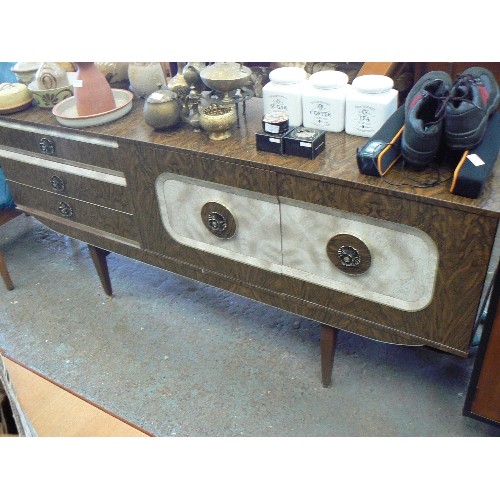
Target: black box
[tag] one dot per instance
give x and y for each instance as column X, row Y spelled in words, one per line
column 273, row 143
column 475, row 166
column 305, row 142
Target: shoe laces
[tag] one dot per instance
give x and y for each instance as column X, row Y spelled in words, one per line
column 461, row 90
column 442, row 95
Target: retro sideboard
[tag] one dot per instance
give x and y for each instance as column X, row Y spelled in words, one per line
column 384, row 260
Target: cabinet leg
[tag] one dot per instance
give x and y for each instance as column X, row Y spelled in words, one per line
column 5, row 273
column 100, row 263
column 328, row 342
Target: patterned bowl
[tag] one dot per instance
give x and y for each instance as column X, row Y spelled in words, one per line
column 48, row 98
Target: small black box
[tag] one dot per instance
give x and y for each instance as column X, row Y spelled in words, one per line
column 305, row 142
column 273, row 143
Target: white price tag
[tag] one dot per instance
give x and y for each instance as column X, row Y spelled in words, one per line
column 156, row 95
column 77, row 83
column 273, row 129
column 475, row 159
column 272, row 139
column 306, row 144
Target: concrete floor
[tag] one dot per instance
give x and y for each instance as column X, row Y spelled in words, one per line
column 179, row 358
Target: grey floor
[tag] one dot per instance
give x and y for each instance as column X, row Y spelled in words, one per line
column 179, row 358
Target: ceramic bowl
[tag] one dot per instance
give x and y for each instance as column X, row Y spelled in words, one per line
column 48, row 98
column 25, row 71
column 66, row 113
column 14, row 97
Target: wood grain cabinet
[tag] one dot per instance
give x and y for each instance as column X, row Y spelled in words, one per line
column 392, row 262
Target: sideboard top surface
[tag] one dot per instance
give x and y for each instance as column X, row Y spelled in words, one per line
column 337, row 164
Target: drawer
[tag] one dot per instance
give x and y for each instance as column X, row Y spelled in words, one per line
column 70, row 211
column 62, row 144
column 95, row 186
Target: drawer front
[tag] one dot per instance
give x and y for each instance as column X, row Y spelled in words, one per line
column 62, row 144
column 96, row 187
column 376, row 260
column 70, row 211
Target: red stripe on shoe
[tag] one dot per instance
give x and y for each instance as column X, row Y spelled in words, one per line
column 484, row 94
column 414, row 101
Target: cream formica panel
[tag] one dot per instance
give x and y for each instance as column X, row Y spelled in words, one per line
column 257, row 240
column 404, row 259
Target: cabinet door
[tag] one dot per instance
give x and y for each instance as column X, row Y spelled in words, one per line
column 179, row 196
column 427, row 270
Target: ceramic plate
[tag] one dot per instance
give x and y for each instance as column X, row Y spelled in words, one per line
column 66, row 113
column 14, row 109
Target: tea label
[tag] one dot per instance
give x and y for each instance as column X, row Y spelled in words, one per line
column 364, row 119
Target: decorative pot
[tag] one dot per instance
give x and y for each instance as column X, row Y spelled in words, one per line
column 178, row 83
column 145, row 77
column 162, row 109
column 93, row 94
column 217, row 120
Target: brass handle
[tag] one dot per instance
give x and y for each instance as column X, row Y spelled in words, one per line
column 65, row 209
column 218, row 220
column 57, row 183
column 47, row 147
column 349, row 254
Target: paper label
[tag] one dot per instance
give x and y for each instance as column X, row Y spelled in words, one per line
column 273, row 129
column 156, row 95
column 77, row 83
column 306, row 144
column 272, row 139
column 476, row 160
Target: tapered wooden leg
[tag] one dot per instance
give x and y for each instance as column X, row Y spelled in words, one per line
column 328, row 342
column 100, row 263
column 5, row 273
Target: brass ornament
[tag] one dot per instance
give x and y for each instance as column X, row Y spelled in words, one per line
column 349, row 254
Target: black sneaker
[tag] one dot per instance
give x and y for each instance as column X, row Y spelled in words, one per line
column 473, row 99
column 424, row 111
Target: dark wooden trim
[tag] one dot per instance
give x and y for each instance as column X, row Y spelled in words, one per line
column 476, row 404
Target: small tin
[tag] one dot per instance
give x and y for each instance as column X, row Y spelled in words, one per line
column 305, row 142
column 275, row 122
column 272, row 143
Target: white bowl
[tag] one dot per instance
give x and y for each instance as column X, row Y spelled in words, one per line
column 66, row 113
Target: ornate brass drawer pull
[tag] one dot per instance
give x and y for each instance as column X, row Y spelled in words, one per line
column 65, row 210
column 47, row 147
column 349, row 254
column 218, row 220
column 57, row 183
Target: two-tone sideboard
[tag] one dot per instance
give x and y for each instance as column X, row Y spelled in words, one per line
column 372, row 256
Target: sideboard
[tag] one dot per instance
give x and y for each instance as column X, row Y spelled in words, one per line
column 372, row 256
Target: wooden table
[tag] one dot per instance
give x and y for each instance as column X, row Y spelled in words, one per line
column 168, row 199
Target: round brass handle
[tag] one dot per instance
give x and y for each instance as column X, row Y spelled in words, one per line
column 218, row 220
column 57, row 183
column 65, row 209
column 349, row 254
column 47, row 147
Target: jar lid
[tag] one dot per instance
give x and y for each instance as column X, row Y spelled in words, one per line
column 160, row 96
column 288, row 75
column 329, row 79
column 26, row 66
column 373, row 84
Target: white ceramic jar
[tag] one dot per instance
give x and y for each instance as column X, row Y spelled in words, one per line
column 370, row 103
column 323, row 100
column 284, row 93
